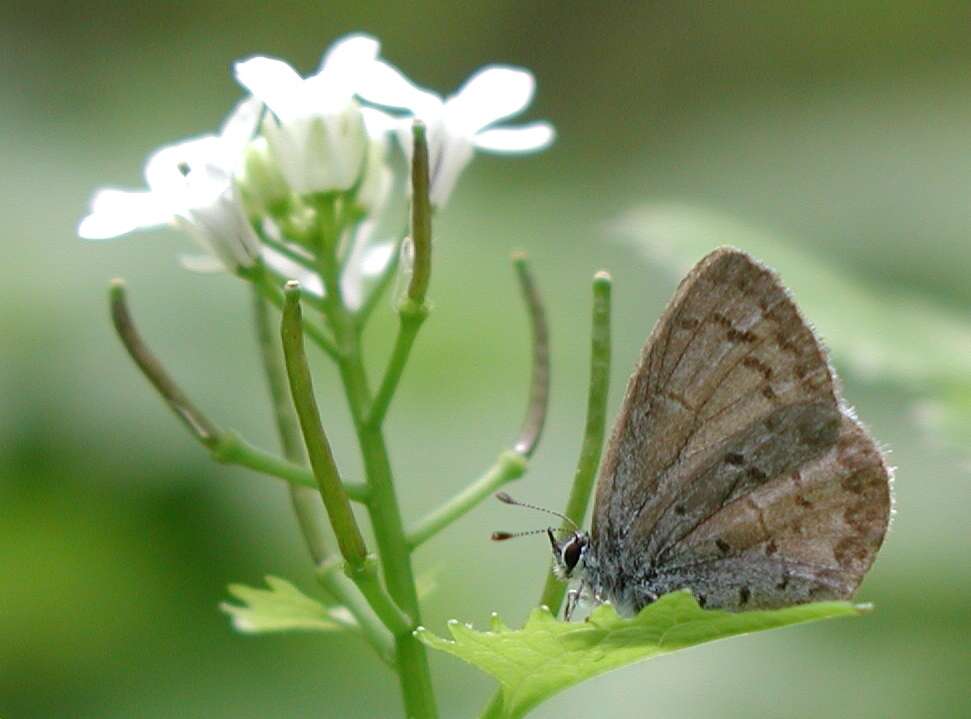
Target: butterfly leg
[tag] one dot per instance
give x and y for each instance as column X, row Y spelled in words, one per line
column 572, row 600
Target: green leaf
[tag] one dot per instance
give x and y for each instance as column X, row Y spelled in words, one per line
column 282, row 608
column 547, row 655
column 877, row 331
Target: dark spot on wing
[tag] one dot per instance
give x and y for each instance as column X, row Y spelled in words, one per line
column 803, row 502
column 756, row 474
column 723, row 546
column 758, row 365
column 688, row 323
column 786, row 345
column 747, row 336
column 853, row 483
column 848, row 550
column 721, row 319
column 679, row 510
column 768, row 392
column 734, row 459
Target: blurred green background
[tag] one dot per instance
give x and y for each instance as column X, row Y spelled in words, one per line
column 841, row 131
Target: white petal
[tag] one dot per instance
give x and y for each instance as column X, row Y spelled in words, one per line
column 238, row 129
column 118, row 212
column 286, row 267
column 366, row 262
column 384, row 84
column 489, row 95
column 352, row 278
column 274, row 82
column 348, row 56
column 377, row 258
column 167, row 167
column 203, row 264
column 526, row 138
column 456, row 152
column 379, row 123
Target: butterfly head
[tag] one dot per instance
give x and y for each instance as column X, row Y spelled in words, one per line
column 569, row 556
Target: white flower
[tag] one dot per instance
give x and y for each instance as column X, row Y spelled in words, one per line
column 190, row 185
column 463, row 122
column 317, row 133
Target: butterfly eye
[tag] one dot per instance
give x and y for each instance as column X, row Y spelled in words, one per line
column 571, row 554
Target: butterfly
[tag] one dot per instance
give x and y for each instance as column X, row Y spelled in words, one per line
column 734, row 469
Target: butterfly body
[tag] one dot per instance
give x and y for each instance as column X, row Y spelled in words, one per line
column 734, row 469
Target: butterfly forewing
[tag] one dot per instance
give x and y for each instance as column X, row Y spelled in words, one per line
column 732, row 393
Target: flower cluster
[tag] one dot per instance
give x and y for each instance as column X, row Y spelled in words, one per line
column 301, row 153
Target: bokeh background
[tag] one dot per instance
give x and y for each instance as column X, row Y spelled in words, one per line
column 837, row 136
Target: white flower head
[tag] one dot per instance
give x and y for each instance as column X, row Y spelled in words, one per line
column 463, row 122
column 317, row 132
column 190, row 185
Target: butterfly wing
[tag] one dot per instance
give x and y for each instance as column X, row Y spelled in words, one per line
column 733, row 391
column 806, row 535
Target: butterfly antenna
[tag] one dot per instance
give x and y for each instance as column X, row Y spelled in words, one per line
column 503, row 536
column 506, row 499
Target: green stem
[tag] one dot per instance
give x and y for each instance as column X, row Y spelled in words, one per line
column 421, row 215
column 388, row 531
column 366, row 579
column 383, row 508
column 412, row 316
column 593, row 435
column 230, row 448
column 510, row 465
column 539, row 386
column 197, row 423
column 226, row 447
column 305, row 500
column 301, row 258
column 349, row 537
column 275, row 298
column 336, row 583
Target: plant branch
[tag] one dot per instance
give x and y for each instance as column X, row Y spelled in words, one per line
column 576, row 508
column 305, row 500
column 200, row 426
column 230, row 448
column 226, row 447
column 511, row 464
column 539, row 387
column 411, row 316
column 349, row 537
column 421, row 216
column 414, row 310
column 336, row 583
column 275, row 297
column 593, row 434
